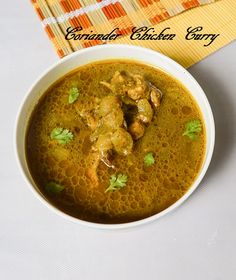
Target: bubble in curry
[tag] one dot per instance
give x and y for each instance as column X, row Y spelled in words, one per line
column 115, row 141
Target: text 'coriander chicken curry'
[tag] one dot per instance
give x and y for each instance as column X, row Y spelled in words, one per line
column 115, row 141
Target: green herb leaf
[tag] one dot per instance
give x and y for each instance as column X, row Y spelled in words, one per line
column 192, row 128
column 63, row 136
column 73, row 95
column 53, row 187
column 117, row 182
column 149, row 159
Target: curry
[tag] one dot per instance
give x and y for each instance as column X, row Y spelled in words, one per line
column 115, row 141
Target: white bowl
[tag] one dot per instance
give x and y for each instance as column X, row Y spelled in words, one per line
column 99, row 53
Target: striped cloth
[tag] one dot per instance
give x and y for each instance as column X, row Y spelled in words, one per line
column 102, row 16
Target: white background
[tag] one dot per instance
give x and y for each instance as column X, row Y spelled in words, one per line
column 197, row 241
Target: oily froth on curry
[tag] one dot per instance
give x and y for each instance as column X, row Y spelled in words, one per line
column 115, row 141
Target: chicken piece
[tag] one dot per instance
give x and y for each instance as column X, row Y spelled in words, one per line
column 122, row 142
column 90, row 120
column 110, row 117
column 116, row 81
column 107, row 104
column 103, row 146
column 136, row 93
column 86, row 112
column 136, row 129
column 114, row 119
column 110, row 112
column 138, row 90
column 132, row 85
column 145, row 112
column 117, row 78
column 100, row 129
column 103, row 143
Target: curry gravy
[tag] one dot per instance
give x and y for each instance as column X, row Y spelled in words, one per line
column 149, row 190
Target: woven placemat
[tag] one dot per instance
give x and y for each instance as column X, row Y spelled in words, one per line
column 102, row 16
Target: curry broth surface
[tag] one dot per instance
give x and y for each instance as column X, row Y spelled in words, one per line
column 149, row 190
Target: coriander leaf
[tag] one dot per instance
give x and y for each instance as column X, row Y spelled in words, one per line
column 192, row 129
column 117, row 182
column 62, row 135
column 149, row 159
column 73, row 95
column 53, row 187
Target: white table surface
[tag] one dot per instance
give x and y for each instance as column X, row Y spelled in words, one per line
column 197, row 241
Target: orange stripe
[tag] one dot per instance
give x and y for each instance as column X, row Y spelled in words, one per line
column 190, row 4
column 114, row 11
column 83, row 19
column 107, row 13
column 166, row 14
column 65, row 6
column 126, row 31
column 49, row 32
column 110, row 12
column 60, row 52
column 155, row 20
column 196, row 3
column 87, row 21
column 76, row 4
column 86, row 44
column 143, row 3
column 74, row 22
column 40, row 13
column 120, row 9
column 186, row 5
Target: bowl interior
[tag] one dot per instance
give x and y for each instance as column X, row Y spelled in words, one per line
column 106, row 52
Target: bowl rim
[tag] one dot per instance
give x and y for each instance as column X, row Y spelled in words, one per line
column 146, row 220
